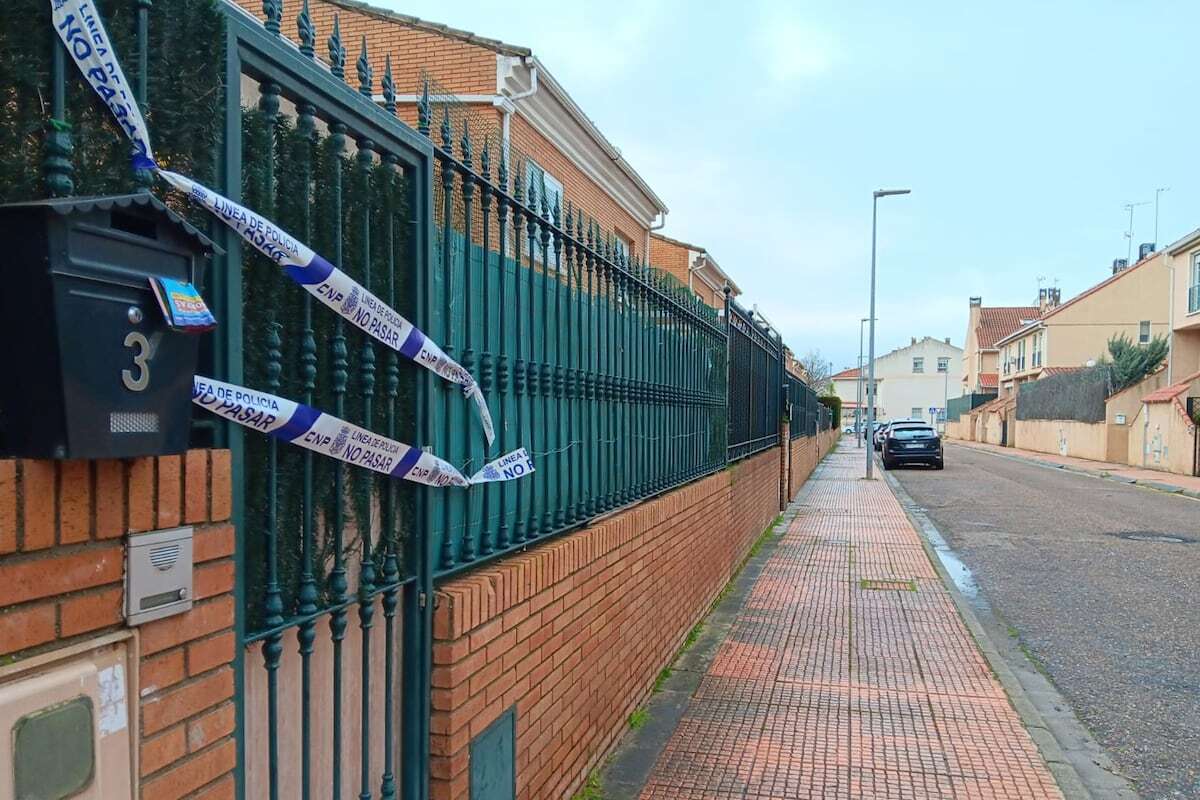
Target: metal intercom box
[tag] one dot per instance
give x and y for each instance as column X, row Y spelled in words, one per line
column 92, row 369
column 158, row 575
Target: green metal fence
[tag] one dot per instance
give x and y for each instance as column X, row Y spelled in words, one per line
column 619, row 381
column 755, row 383
column 612, row 378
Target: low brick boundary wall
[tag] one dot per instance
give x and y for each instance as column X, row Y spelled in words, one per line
column 574, row 632
column 62, row 528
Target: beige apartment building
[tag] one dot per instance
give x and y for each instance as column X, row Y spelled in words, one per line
column 987, row 325
column 1183, row 262
column 1134, row 301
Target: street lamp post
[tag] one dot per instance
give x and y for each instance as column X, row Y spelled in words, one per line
column 871, row 350
column 858, row 429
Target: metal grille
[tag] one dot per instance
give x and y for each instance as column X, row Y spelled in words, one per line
column 133, row 422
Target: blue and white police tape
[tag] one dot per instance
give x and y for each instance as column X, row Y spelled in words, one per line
column 322, row 433
column 79, row 26
column 337, row 290
column 81, row 29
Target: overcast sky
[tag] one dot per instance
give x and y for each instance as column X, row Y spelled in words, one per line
column 1023, row 128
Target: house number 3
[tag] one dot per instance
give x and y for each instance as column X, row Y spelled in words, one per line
column 133, row 340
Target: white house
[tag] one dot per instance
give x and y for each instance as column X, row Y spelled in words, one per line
column 913, row 381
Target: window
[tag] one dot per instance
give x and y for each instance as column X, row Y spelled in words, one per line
column 1194, row 289
column 943, row 364
column 1037, row 349
column 1020, row 355
column 1144, row 332
column 541, row 183
column 917, row 413
column 918, row 364
column 623, row 245
column 1005, row 361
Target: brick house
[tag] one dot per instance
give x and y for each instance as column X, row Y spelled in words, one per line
column 694, row 267
column 509, row 93
column 986, row 326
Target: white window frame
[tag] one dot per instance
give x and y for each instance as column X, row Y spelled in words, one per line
column 918, row 365
column 1144, row 332
column 1194, row 289
column 535, row 172
column 943, row 364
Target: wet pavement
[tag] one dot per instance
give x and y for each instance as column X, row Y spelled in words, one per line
column 848, row 673
column 1099, row 581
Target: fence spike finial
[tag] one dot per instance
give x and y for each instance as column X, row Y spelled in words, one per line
column 447, row 133
column 502, row 171
column 556, row 212
column 389, row 85
column 465, row 144
column 337, row 51
column 366, row 75
column 545, row 199
column 519, row 182
column 424, row 111
column 532, row 201
column 306, row 31
column 273, row 11
column 485, row 159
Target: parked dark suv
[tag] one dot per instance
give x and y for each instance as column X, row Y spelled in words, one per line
column 912, row 444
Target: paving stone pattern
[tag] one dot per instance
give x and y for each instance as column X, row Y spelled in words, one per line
column 827, row 689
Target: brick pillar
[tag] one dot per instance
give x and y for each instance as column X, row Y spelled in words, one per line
column 62, row 533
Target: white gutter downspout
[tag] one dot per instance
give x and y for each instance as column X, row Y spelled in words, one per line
column 506, row 104
column 658, row 226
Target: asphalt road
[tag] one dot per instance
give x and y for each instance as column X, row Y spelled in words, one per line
column 1114, row 621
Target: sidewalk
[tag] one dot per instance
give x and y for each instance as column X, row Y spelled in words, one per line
column 848, row 673
column 1155, row 479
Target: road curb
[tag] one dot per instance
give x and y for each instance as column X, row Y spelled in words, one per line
column 1151, row 485
column 1063, row 741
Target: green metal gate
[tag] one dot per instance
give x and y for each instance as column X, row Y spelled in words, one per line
column 332, row 583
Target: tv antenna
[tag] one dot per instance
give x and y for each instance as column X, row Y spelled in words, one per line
column 1129, row 233
column 1157, row 193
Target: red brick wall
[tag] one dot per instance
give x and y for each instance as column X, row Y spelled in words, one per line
column 574, row 632
column 806, row 452
column 62, row 529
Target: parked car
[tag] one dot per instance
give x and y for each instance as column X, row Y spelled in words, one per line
column 848, row 429
column 912, row 444
column 882, row 431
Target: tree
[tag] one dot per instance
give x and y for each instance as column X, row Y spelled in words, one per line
column 819, row 371
column 1128, row 363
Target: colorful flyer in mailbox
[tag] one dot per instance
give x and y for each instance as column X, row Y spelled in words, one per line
column 182, row 306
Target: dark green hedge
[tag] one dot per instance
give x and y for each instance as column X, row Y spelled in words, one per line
column 185, row 99
column 1075, row 396
column 834, row 404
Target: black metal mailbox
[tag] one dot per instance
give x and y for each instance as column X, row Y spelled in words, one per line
column 89, row 367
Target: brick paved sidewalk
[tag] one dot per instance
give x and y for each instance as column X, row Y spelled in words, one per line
column 849, row 674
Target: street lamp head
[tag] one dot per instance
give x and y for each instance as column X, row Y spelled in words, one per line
column 890, row 192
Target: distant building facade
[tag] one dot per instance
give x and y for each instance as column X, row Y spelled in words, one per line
column 910, row 381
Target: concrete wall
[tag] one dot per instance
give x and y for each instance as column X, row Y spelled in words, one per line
column 1162, row 439
column 62, row 558
column 1064, row 437
column 572, row 633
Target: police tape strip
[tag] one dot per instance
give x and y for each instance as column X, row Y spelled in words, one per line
column 337, row 290
column 322, row 433
column 84, row 35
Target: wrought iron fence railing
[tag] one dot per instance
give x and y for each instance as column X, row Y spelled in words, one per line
column 618, row 380
column 612, row 378
column 755, row 383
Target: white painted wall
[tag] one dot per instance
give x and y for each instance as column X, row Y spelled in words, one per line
column 900, row 389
